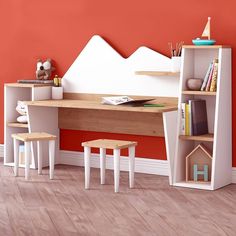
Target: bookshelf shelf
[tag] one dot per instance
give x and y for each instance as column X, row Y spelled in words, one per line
column 157, row 73
column 17, row 125
column 192, row 184
column 202, row 138
column 196, row 63
column 14, row 92
column 203, row 93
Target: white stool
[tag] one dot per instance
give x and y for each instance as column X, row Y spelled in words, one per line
column 116, row 145
column 27, row 138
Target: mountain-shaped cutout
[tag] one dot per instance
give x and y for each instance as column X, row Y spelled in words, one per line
column 101, row 69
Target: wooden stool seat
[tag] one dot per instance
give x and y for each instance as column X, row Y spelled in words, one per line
column 109, row 144
column 28, row 138
column 116, row 145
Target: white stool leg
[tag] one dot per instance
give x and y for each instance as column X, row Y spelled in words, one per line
column 102, row 164
column 51, row 158
column 131, row 166
column 87, row 153
column 116, row 169
column 16, row 156
column 27, row 160
column 39, row 150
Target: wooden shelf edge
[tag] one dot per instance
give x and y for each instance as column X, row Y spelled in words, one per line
column 157, row 73
column 204, row 137
column 196, row 185
column 17, row 125
column 204, row 93
column 26, row 85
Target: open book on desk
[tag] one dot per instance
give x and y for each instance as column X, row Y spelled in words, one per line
column 123, row 100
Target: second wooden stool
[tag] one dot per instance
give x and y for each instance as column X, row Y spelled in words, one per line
column 27, row 138
column 116, row 145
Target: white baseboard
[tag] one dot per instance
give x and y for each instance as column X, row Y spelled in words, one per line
column 142, row 165
column 1, row 150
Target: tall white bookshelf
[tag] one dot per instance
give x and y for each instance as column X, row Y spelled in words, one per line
column 195, row 62
column 14, row 92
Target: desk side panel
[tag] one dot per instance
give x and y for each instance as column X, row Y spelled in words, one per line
column 44, row 119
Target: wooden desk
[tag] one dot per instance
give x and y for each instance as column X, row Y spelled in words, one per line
column 94, row 116
column 51, row 115
column 96, row 105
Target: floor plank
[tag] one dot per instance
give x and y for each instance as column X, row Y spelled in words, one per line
column 63, row 207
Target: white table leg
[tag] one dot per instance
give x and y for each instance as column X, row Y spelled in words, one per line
column 131, row 166
column 87, row 153
column 116, row 169
column 27, row 160
column 16, row 156
column 51, row 158
column 102, row 164
column 39, row 150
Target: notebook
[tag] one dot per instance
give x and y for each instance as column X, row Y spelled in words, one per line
column 34, row 81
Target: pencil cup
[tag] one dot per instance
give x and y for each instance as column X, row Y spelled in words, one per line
column 57, row 93
column 175, row 64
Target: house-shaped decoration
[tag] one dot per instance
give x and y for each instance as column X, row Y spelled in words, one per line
column 198, row 164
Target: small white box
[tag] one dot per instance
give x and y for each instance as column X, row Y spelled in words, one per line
column 57, row 93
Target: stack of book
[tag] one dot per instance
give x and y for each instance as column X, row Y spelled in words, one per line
column 210, row 79
column 194, row 118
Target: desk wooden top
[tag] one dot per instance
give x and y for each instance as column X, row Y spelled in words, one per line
column 96, row 105
column 25, row 85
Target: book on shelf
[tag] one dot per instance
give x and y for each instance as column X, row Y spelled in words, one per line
column 194, row 117
column 210, row 79
column 190, row 117
column 199, row 117
column 204, row 84
column 34, row 81
column 214, row 77
column 119, row 100
column 183, row 118
column 187, row 120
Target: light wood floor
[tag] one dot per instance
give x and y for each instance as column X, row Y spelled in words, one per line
column 63, row 207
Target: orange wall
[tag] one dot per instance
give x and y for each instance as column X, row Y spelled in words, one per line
column 60, row 30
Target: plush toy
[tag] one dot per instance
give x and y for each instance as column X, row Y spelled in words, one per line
column 44, row 69
column 22, row 110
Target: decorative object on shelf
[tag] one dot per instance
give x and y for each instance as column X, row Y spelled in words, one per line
column 175, row 64
column 206, row 33
column 175, row 56
column 21, row 109
column 44, row 69
column 196, row 162
column 22, row 119
column 194, row 84
column 57, row 89
column 197, row 172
